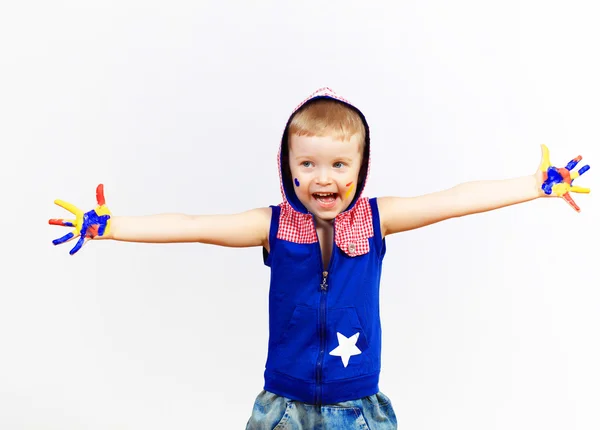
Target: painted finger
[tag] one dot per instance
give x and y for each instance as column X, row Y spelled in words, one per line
column 545, row 158
column 78, row 245
column 580, row 190
column 63, row 222
column 70, row 207
column 100, row 195
column 580, row 172
column 67, row 237
column 567, row 197
column 571, row 164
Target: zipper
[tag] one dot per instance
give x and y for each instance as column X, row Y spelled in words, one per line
column 322, row 333
column 323, row 288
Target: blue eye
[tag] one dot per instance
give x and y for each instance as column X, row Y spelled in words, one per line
column 306, row 164
column 338, row 163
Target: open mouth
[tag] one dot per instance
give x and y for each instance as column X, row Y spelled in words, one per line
column 325, row 199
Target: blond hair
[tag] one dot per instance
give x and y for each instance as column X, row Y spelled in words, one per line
column 328, row 117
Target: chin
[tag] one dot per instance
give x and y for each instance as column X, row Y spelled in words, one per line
column 327, row 214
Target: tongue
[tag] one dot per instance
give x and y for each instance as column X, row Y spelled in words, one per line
column 327, row 199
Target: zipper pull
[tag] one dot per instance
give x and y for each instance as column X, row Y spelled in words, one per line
column 324, row 283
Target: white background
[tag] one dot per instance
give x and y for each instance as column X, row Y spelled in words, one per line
column 489, row 321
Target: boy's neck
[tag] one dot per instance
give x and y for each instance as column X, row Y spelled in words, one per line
column 323, row 224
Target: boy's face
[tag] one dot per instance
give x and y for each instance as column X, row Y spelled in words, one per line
column 325, row 173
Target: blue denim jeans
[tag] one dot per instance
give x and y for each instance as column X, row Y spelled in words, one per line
column 273, row 412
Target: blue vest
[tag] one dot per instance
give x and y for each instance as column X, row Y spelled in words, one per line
column 324, row 325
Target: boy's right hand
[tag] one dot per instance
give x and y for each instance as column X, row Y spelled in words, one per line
column 88, row 225
column 554, row 181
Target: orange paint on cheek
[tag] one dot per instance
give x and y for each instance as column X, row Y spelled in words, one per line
column 349, row 189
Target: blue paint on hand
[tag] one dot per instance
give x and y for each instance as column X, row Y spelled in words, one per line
column 93, row 225
column 78, row 245
column 63, row 239
column 584, row 169
column 90, row 219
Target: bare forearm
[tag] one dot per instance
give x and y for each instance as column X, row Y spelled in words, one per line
column 407, row 213
column 161, row 228
column 482, row 196
column 236, row 230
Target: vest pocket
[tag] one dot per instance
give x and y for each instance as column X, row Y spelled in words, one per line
column 347, row 353
column 295, row 353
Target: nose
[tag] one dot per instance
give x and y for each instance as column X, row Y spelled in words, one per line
column 323, row 176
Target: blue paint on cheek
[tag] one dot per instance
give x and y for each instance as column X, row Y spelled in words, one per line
column 296, row 182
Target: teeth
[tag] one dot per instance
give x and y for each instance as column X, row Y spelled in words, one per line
column 323, row 194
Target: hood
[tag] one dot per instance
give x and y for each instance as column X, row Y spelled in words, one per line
column 286, row 183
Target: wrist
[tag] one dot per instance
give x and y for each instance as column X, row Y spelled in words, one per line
column 535, row 186
column 538, row 187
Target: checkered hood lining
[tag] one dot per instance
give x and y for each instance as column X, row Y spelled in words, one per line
column 353, row 227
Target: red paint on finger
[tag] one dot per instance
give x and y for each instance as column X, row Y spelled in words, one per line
column 60, row 222
column 100, row 195
column 567, row 197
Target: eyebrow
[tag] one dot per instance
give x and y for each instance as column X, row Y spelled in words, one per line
column 300, row 157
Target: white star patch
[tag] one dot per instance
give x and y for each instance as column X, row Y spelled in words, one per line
column 346, row 348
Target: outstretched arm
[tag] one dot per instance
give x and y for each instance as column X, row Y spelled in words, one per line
column 244, row 229
column 250, row 228
column 399, row 214
column 406, row 213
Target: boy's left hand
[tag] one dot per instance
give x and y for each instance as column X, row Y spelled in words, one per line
column 87, row 225
column 556, row 181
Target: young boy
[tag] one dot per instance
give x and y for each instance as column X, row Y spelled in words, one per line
column 324, row 244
